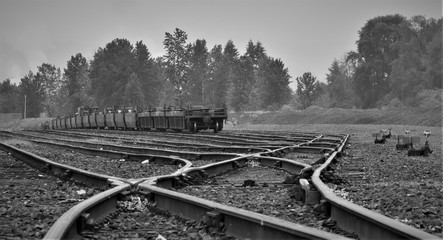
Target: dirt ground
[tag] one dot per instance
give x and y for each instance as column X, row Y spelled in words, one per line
column 25, row 124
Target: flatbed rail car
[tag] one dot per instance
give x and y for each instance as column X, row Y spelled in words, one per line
column 191, row 119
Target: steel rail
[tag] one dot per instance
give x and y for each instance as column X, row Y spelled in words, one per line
column 352, row 217
column 65, row 171
column 367, row 224
column 235, row 220
column 225, row 142
column 138, row 152
column 188, row 136
column 166, row 144
column 163, row 159
column 74, row 220
column 92, row 209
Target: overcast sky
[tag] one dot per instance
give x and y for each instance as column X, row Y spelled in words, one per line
column 305, row 34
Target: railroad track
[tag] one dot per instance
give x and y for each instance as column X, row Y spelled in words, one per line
column 156, row 194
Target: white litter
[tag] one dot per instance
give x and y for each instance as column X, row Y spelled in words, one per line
column 81, row 192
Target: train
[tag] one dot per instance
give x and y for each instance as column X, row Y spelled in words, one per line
column 192, row 119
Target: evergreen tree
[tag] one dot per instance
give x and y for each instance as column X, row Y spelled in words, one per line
column 275, row 90
column 9, row 97
column 231, row 63
column 242, row 83
column 147, row 74
column 256, row 53
column 133, row 93
column 308, row 89
column 177, row 67
column 198, row 72
column 77, row 83
column 34, row 90
column 50, row 78
column 217, row 85
column 339, row 85
column 110, row 71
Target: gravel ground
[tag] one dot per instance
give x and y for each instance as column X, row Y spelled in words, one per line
column 82, row 165
column 306, row 158
column 408, row 189
column 136, row 218
column 113, row 167
column 265, row 195
column 31, row 201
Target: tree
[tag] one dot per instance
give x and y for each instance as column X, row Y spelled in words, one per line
column 230, row 63
column 339, row 84
column 274, row 90
column 147, row 73
column 33, row 88
column 376, row 52
column 111, row 68
column 177, row 68
column 256, row 54
column 9, row 97
column 243, row 76
column 50, row 78
column 407, row 69
column 133, row 92
column 217, row 84
column 413, row 70
column 308, row 89
column 198, row 72
column 433, row 59
column 77, row 83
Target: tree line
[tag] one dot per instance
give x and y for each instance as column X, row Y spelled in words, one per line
column 395, row 59
column 121, row 74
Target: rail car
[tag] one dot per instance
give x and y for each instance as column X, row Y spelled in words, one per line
column 192, row 119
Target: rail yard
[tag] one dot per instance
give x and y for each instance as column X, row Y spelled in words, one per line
column 245, row 182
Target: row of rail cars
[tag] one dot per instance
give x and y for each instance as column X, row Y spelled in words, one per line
column 191, row 119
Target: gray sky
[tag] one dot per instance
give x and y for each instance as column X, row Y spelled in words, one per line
column 305, row 34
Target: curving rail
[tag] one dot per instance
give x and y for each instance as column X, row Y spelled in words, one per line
column 367, row 224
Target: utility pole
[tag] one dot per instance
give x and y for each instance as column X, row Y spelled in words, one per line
column 203, row 91
column 24, row 114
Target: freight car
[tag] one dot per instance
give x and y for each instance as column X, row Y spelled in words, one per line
column 193, row 119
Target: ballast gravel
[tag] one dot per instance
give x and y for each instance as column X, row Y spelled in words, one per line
column 113, row 167
column 31, row 201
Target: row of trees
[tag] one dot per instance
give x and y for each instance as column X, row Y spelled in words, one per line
column 221, row 76
column 121, row 74
column 396, row 58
